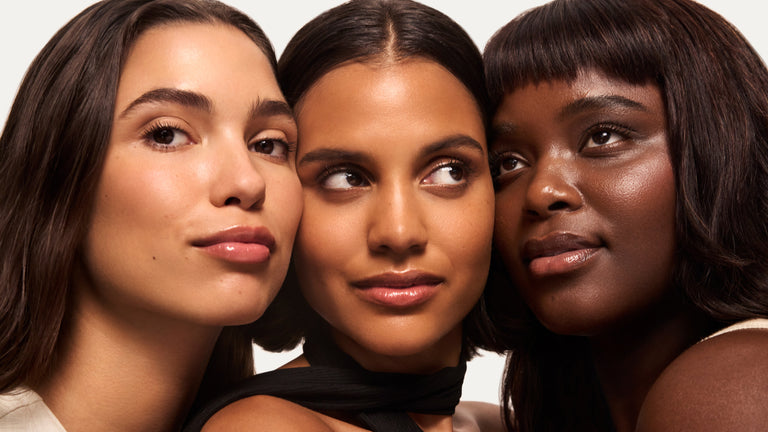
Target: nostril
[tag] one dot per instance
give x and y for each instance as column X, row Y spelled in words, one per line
column 559, row 205
column 232, row 201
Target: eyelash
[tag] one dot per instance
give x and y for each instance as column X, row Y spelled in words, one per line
column 625, row 132
column 148, row 135
column 330, row 170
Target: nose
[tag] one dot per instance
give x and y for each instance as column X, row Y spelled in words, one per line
column 237, row 180
column 396, row 224
column 551, row 190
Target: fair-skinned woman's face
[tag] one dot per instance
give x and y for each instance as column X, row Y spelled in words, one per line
column 585, row 200
column 198, row 202
column 394, row 245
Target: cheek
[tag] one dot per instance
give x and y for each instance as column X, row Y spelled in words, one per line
column 328, row 237
column 506, row 231
column 285, row 202
column 135, row 198
column 642, row 209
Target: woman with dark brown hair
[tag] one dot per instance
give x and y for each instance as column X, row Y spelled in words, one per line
column 390, row 264
column 149, row 200
column 630, row 157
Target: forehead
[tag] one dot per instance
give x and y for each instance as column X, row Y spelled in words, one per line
column 409, row 100
column 205, row 57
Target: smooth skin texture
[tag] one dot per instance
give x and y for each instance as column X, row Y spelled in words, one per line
column 393, row 162
column 585, row 224
column 720, row 384
column 390, row 172
column 199, row 149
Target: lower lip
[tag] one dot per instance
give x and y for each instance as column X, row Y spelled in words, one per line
column 562, row 263
column 399, row 297
column 247, row 253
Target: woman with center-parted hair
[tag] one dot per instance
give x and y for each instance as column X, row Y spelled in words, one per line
column 393, row 248
column 145, row 206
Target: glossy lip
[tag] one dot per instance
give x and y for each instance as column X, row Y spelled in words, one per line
column 558, row 253
column 399, row 289
column 239, row 244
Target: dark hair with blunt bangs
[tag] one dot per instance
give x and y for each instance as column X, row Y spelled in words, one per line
column 369, row 31
column 52, row 152
column 715, row 89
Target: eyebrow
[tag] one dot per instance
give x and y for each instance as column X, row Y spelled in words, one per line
column 262, row 108
column 271, row 108
column 599, row 102
column 181, row 97
column 576, row 107
column 451, row 142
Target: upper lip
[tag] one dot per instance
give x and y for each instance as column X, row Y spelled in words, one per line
column 555, row 244
column 399, row 280
column 239, row 234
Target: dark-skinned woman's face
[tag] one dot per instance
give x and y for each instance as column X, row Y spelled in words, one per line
column 585, row 200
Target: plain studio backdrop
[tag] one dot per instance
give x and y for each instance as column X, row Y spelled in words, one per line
column 25, row 26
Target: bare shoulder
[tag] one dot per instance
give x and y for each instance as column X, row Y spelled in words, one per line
column 477, row 416
column 720, row 384
column 266, row 413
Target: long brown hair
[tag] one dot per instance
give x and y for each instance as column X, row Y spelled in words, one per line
column 51, row 156
column 715, row 88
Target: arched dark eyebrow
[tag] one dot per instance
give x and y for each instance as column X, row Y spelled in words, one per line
column 271, row 108
column 599, row 102
column 181, row 97
column 576, row 107
column 451, row 142
column 262, row 108
column 330, row 154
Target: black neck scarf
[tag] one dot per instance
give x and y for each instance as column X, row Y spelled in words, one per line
column 335, row 382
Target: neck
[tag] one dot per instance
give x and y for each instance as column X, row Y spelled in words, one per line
column 125, row 373
column 446, row 352
column 629, row 360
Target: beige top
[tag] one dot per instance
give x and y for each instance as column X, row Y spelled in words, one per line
column 755, row 323
column 22, row 409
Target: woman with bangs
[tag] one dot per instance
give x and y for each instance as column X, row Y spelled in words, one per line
column 394, row 244
column 630, row 161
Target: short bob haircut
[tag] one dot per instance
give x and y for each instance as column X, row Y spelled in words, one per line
column 51, row 157
column 715, row 90
column 369, row 31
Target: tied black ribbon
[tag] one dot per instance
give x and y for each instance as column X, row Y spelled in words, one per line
column 335, row 382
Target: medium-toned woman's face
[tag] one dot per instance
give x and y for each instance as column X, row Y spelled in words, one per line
column 394, row 245
column 198, row 202
column 585, row 200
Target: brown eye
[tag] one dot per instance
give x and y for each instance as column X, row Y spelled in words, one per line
column 602, row 137
column 166, row 138
column 343, row 178
column 509, row 164
column 272, row 147
column 163, row 136
column 451, row 173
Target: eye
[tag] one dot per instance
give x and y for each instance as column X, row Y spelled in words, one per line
column 271, row 147
column 604, row 136
column 452, row 173
column 343, row 178
column 166, row 137
column 506, row 163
